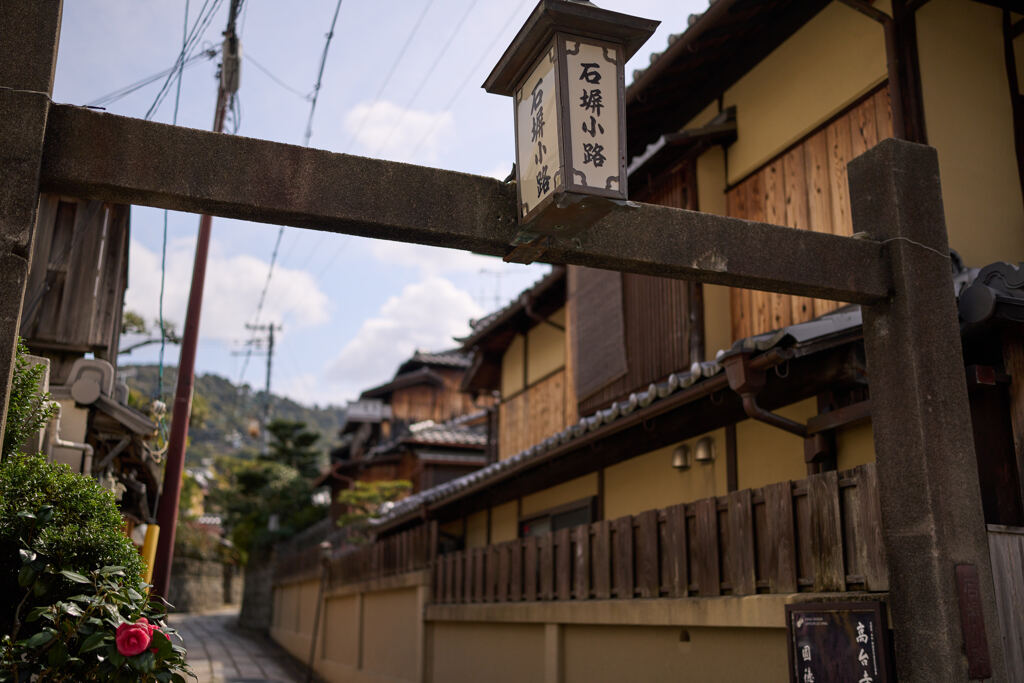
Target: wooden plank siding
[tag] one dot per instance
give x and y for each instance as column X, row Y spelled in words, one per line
column 805, row 188
column 532, row 415
column 743, row 543
column 75, row 290
column 1006, row 549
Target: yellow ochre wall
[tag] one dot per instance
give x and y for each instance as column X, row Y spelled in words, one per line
column 561, row 494
column 476, row 530
column 657, row 653
column 504, row 523
column 969, row 120
column 766, row 454
column 512, row 366
column 649, row 481
column 545, row 348
column 833, row 59
column 477, row 652
column 390, row 629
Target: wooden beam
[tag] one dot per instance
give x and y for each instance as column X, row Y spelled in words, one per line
column 130, row 161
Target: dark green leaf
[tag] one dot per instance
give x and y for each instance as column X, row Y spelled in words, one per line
column 26, row 555
column 73, row 576
column 45, row 513
column 71, row 609
column 117, row 659
column 25, row 514
column 25, row 576
column 92, row 642
column 58, row 654
column 177, row 678
column 144, row 662
column 133, row 594
column 41, row 638
column 113, row 570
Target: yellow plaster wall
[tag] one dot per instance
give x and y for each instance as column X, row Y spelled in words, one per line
column 766, row 454
column 512, row 367
column 658, row 653
column 855, row 445
column 833, row 59
column 711, row 199
column 390, row 630
column 341, row 623
column 545, row 348
column 496, row 653
column 567, row 492
column 504, row 523
column 476, row 530
column 292, row 629
column 649, row 481
column 969, row 120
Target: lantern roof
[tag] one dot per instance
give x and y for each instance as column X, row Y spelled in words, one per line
column 582, row 19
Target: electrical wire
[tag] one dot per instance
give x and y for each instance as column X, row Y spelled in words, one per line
column 206, row 14
column 391, row 73
column 308, row 135
column 123, row 92
column 465, row 82
column 423, row 81
column 304, row 95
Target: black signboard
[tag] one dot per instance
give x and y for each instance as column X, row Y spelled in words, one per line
column 837, row 642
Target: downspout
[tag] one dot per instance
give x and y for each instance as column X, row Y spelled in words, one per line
column 748, row 381
column 55, row 440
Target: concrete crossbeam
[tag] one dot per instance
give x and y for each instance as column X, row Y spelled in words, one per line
column 101, row 156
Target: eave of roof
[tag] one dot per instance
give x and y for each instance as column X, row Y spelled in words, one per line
column 547, row 293
column 409, row 379
column 715, row 51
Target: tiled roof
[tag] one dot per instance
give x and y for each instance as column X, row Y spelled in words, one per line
column 455, row 432
column 489, row 322
column 834, row 325
column 452, row 358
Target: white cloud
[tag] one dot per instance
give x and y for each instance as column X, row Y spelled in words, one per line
column 232, row 290
column 387, row 129
column 425, row 316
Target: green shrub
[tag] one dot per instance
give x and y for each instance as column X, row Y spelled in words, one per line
column 84, row 533
column 28, row 409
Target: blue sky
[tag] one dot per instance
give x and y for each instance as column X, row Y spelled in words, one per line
column 352, row 308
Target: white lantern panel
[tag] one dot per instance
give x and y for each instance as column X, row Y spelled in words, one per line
column 537, row 134
column 592, row 96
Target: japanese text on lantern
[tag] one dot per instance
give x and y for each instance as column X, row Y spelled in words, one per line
column 537, row 134
column 592, row 74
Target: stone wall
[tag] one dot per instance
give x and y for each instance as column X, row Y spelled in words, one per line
column 257, row 598
column 200, row 585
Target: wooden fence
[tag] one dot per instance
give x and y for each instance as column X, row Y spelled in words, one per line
column 1006, row 548
column 404, row 552
column 819, row 534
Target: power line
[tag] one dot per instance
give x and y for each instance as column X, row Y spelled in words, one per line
column 123, row 92
column 391, row 72
column 423, row 81
column 304, row 95
column 308, row 134
column 465, row 81
column 206, row 14
column 163, row 248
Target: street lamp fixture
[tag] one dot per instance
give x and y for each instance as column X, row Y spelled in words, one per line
column 565, row 73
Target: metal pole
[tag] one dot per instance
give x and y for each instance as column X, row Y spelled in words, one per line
column 167, row 513
column 270, row 360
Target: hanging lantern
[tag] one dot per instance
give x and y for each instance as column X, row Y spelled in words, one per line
column 565, row 73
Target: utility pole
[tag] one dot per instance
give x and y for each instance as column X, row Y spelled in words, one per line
column 268, row 343
column 167, row 513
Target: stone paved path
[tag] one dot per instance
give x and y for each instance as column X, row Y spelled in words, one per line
column 219, row 651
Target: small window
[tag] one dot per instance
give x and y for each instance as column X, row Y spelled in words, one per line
column 561, row 517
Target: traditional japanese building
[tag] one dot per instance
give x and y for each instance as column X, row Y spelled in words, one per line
column 677, row 464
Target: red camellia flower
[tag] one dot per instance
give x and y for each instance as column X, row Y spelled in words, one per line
column 133, row 639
